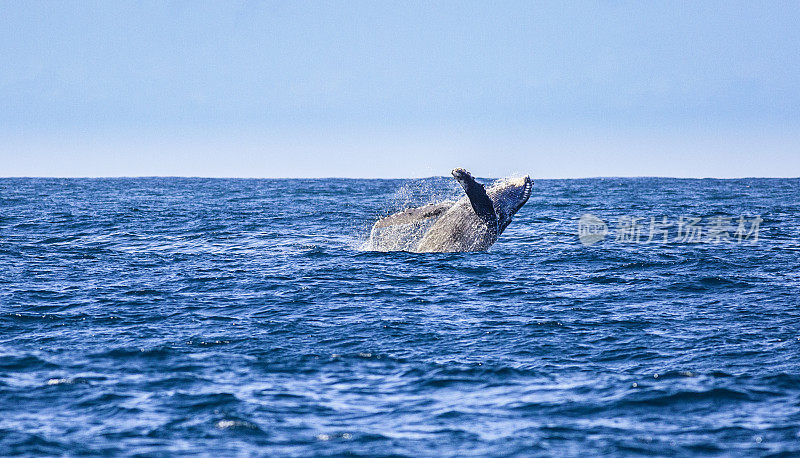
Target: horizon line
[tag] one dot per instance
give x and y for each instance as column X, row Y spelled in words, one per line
column 100, row 177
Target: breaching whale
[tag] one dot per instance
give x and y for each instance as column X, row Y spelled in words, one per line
column 473, row 223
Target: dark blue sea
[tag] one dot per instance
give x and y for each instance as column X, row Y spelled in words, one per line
column 178, row 316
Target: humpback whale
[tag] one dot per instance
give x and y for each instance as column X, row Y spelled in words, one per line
column 472, row 223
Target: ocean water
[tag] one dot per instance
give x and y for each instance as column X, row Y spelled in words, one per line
column 169, row 316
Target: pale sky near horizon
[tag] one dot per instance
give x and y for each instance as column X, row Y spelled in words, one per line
column 400, row 89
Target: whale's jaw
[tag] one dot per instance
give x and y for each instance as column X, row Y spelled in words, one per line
column 509, row 196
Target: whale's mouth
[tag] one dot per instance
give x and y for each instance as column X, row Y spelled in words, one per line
column 526, row 194
column 510, row 195
column 527, row 187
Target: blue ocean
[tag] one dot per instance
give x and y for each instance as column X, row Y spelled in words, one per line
column 182, row 316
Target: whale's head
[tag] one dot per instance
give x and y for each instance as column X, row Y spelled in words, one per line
column 508, row 196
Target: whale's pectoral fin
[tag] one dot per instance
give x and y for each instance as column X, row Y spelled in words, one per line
column 414, row 215
column 481, row 203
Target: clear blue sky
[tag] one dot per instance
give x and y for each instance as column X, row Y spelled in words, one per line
column 405, row 89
